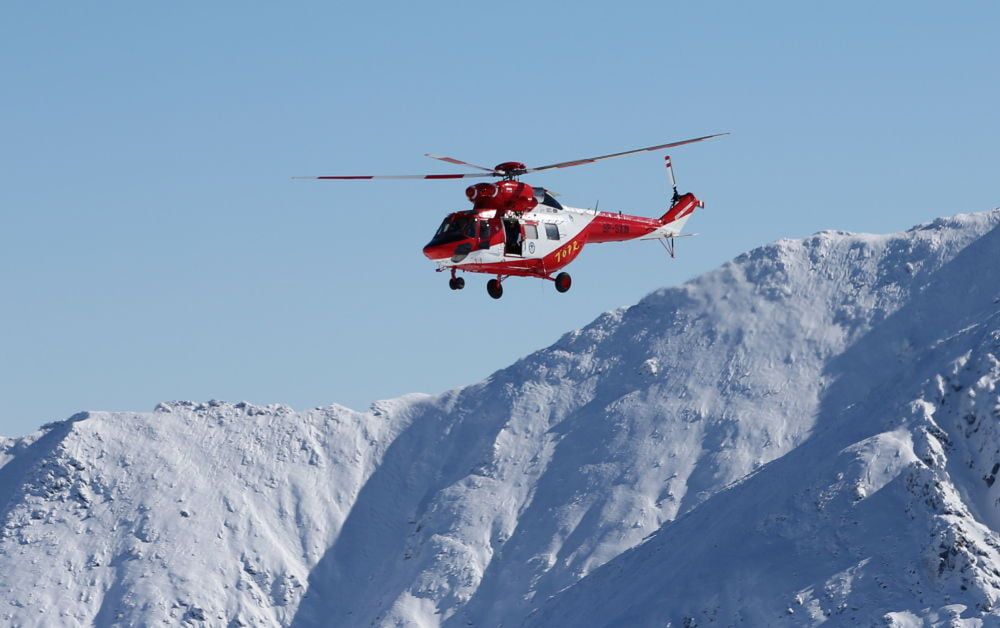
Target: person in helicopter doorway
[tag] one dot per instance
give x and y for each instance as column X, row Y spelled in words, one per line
column 512, row 231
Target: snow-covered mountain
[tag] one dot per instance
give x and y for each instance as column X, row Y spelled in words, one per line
column 809, row 433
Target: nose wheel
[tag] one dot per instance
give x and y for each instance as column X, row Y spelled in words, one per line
column 456, row 283
column 494, row 288
column 563, row 282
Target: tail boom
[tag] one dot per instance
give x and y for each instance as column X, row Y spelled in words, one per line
column 616, row 227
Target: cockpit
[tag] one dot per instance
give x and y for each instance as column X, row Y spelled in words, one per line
column 457, row 226
column 458, row 235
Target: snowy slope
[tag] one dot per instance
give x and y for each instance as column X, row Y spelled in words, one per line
column 887, row 515
column 794, row 430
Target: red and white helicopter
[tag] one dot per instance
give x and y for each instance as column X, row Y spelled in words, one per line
column 518, row 230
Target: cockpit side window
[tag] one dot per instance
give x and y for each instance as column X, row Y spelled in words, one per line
column 552, row 231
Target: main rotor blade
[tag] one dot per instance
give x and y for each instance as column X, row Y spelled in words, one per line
column 590, row 160
column 463, row 175
column 457, row 162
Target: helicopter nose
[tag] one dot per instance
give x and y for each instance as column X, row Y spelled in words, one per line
column 436, row 251
column 454, row 251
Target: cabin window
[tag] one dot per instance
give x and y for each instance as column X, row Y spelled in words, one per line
column 484, row 230
column 552, row 232
column 530, row 232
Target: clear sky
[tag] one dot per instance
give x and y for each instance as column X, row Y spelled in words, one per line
column 153, row 246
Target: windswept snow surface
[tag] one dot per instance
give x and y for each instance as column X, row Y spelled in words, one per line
column 810, row 433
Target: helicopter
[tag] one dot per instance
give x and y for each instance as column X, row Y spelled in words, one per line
column 515, row 229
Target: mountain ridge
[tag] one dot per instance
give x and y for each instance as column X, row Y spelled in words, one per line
column 493, row 503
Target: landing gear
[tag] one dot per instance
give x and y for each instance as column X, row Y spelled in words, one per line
column 563, row 282
column 494, row 288
column 456, row 283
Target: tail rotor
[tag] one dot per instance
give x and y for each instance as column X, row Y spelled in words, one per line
column 670, row 173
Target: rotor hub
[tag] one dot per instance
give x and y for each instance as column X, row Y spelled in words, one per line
column 510, row 169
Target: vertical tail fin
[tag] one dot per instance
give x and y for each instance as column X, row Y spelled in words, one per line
column 680, row 210
column 681, row 206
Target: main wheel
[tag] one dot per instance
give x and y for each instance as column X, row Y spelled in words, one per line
column 563, row 282
column 452, row 283
column 459, row 283
column 494, row 288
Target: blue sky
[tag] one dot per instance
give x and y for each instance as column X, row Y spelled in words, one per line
column 153, row 246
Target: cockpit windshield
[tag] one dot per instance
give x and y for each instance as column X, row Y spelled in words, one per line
column 455, row 226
